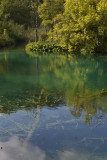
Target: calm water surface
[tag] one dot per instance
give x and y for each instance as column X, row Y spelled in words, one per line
column 52, row 107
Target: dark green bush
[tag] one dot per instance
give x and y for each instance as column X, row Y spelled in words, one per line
column 44, row 47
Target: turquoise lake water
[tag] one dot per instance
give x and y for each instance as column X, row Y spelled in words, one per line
column 52, row 107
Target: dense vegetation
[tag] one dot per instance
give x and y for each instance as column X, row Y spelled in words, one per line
column 78, row 25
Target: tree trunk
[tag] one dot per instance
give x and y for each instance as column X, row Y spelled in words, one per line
column 35, row 9
column 36, row 28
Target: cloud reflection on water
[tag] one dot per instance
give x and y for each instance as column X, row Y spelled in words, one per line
column 14, row 149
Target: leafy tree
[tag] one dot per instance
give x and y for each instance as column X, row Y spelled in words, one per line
column 47, row 11
column 80, row 27
column 18, row 11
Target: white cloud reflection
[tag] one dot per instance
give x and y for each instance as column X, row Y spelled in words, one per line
column 1, row 114
column 14, row 149
column 71, row 155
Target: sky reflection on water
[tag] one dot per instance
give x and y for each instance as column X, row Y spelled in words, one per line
column 14, row 149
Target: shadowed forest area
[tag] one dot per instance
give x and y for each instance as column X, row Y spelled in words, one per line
column 78, row 25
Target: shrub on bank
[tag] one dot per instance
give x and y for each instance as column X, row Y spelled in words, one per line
column 44, row 47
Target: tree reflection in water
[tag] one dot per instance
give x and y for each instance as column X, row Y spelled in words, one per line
column 55, row 94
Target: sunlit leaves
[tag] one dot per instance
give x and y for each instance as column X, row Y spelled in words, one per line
column 81, row 24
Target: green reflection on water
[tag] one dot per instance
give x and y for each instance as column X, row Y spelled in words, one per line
column 78, row 82
column 74, row 90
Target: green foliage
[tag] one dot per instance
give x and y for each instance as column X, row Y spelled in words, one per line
column 17, row 11
column 16, row 31
column 49, row 9
column 44, row 47
column 82, row 25
column 78, row 25
column 5, row 40
column 17, row 18
column 29, row 34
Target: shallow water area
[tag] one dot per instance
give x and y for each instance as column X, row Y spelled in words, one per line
column 52, row 107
